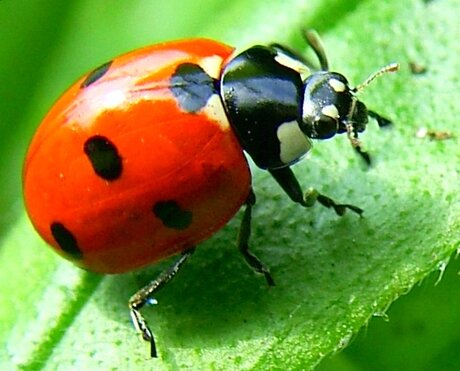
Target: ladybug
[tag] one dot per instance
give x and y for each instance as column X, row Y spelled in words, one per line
column 143, row 158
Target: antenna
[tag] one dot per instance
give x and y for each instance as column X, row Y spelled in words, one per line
column 393, row 67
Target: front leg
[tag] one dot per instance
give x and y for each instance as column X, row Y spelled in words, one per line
column 381, row 121
column 288, row 181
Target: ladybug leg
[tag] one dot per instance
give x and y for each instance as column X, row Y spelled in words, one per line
column 381, row 121
column 288, row 181
column 243, row 241
column 144, row 296
column 313, row 40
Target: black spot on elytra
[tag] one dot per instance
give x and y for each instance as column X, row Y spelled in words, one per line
column 104, row 157
column 66, row 240
column 192, row 87
column 96, row 74
column 172, row 215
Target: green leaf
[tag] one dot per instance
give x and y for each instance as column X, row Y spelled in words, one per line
column 419, row 332
column 333, row 274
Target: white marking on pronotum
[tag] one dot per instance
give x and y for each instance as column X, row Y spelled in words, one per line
column 215, row 111
column 292, row 63
column 293, row 143
column 330, row 111
column 212, row 66
column 337, row 85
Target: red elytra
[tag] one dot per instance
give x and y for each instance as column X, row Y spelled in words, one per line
column 167, row 155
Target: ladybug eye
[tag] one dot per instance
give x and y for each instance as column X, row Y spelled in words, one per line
column 320, row 127
column 327, row 102
column 326, row 127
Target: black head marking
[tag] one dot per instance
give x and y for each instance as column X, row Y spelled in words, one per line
column 66, row 240
column 192, row 87
column 96, row 74
column 172, row 215
column 104, row 157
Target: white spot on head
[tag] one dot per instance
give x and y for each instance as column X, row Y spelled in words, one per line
column 337, row 86
column 308, row 109
column 330, row 111
column 214, row 109
column 212, row 65
column 293, row 143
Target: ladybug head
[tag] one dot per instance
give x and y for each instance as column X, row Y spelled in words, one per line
column 330, row 107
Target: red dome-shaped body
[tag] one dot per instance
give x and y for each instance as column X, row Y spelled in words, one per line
column 137, row 161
